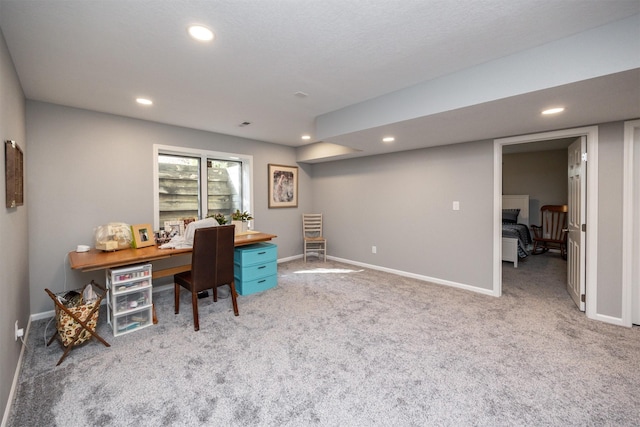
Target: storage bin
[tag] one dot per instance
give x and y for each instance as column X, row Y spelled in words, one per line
column 255, row 254
column 257, row 271
column 255, row 268
column 246, row 287
column 130, row 304
column 133, row 320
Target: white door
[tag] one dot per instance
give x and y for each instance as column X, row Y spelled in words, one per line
column 576, row 221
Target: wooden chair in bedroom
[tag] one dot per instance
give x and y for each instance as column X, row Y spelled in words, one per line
column 553, row 231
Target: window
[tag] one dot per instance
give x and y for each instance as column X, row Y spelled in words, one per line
column 193, row 184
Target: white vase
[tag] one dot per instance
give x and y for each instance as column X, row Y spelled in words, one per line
column 241, row 226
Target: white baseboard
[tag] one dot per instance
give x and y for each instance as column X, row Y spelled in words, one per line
column 417, row 276
column 162, row 288
column 16, row 377
column 43, row 315
column 610, row 319
column 291, row 258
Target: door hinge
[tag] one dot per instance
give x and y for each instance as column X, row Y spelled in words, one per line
column 584, row 228
column 583, row 298
column 584, row 157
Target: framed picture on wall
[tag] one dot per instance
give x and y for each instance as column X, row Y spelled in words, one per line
column 283, row 186
column 143, row 235
column 14, row 174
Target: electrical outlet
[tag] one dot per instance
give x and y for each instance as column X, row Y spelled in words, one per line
column 19, row 331
column 374, row 250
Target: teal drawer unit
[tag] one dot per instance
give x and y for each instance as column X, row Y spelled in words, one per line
column 255, row 268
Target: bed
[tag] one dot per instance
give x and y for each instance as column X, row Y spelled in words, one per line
column 516, row 237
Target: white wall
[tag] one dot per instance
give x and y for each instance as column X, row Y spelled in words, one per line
column 402, row 204
column 14, row 277
column 610, row 181
column 88, row 168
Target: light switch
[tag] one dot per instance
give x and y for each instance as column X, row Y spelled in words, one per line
column 456, row 205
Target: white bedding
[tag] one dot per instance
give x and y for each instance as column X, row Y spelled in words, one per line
column 510, row 245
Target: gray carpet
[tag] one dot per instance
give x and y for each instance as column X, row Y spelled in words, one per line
column 336, row 345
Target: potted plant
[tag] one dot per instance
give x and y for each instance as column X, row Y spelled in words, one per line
column 222, row 220
column 240, row 220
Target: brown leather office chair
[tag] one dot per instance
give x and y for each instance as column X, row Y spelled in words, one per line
column 211, row 267
column 553, row 231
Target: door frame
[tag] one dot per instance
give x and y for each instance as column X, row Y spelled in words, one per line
column 630, row 222
column 591, row 252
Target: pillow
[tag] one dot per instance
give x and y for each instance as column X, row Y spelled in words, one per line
column 510, row 216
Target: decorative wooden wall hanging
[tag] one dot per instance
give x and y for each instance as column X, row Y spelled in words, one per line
column 14, row 174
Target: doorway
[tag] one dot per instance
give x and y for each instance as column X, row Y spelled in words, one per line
column 591, row 134
column 539, row 171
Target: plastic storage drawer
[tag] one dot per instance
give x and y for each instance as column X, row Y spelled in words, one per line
column 258, row 253
column 257, row 271
column 131, row 300
column 130, row 305
column 246, row 287
column 132, row 321
column 255, row 268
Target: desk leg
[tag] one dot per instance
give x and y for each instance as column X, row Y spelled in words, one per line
column 155, row 318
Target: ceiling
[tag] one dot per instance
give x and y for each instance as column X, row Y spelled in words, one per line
column 283, row 64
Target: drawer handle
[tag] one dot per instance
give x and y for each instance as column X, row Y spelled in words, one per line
column 262, row 281
column 262, row 253
column 262, row 266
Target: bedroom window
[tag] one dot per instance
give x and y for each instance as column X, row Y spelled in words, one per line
column 193, row 184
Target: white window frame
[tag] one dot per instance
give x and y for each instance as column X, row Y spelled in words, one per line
column 204, row 155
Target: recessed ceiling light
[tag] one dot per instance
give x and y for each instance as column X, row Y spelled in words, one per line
column 306, row 137
column 555, row 110
column 388, row 139
column 144, row 101
column 201, row 33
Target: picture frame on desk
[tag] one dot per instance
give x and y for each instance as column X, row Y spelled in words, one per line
column 174, row 228
column 143, row 236
column 283, row 186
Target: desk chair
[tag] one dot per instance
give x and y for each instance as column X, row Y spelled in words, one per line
column 312, row 235
column 211, row 267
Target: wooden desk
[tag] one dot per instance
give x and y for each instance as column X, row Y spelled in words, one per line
column 99, row 260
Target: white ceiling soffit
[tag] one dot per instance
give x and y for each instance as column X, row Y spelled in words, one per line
column 602, row 99
column 595, row 75
column 345, row 54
